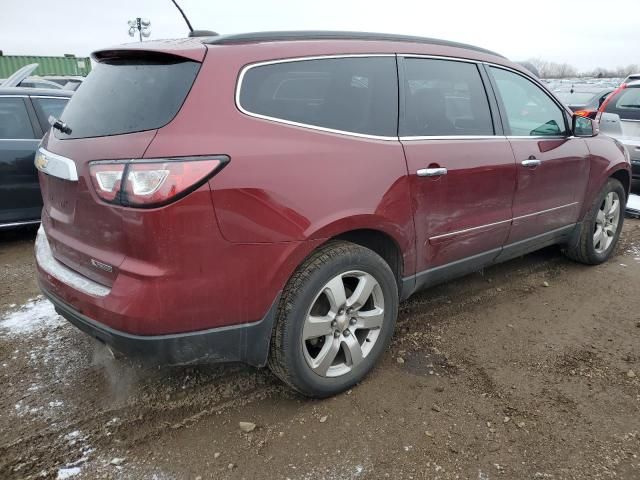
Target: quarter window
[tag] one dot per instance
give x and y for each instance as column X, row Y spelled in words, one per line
column 530, row 111
column 356, row 94
column 14, row 119
column 443, row 98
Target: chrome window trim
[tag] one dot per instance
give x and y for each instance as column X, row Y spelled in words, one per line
column 18, row 224
column 62, row 167
column 488, row 225
column 51, row 96
column 248, row 67
column 20, row 139
column 14, row 96
column 451, row 137
column 439, row 57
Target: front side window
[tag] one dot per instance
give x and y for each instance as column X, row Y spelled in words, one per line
column 14, row 119
column 443, row 98
column 530, row 111
column 356, row 94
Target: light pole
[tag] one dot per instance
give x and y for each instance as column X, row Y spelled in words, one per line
column 141, row 25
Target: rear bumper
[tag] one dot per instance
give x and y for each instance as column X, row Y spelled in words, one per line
column 247, row 343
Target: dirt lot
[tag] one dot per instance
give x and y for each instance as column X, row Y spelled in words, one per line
column 527, row 370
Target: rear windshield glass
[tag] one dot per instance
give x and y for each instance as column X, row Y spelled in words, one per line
column 125, row 96
column 626, row 104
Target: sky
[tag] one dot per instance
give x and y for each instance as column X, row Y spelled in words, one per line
column 580, row 32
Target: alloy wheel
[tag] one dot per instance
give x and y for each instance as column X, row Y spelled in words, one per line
column 606, row 224
column 343, row 323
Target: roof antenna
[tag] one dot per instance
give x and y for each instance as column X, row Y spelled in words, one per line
column 183, row 15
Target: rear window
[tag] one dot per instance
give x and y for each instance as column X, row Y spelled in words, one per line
column 125, row 96
column 355, row 94
column 626, row 104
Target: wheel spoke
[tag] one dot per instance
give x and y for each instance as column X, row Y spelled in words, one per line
column 326, row 357
column 336, row 294
column 353, row 352
column 597, row 237
column 608, row 200
column 613, row 211
column 366, row 284
column 600, row 217
column 316, row 327
column 370, row 319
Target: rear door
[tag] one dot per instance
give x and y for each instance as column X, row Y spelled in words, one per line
column 462, row 170
column 20, row 199
column 552, row 166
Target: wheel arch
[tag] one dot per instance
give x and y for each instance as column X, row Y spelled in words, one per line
column 624, row 177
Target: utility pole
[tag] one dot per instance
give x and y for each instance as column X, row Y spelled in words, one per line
column 142, row 25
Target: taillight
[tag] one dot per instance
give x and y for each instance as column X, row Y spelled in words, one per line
column 152, row 183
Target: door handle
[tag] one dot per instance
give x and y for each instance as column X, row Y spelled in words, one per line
column 431, row 172
column 531, row 163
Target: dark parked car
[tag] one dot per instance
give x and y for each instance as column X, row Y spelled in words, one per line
column 270, row 198
column 23, row 121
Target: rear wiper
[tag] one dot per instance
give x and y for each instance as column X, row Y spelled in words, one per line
column 59, row 125
column 629, row 106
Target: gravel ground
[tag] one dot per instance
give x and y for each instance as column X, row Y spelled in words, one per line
column 527, row 370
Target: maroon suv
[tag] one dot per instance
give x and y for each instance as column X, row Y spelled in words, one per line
column 270, row 198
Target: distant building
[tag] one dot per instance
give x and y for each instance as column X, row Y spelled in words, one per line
column 67, row 65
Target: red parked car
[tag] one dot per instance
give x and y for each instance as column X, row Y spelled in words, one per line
column 270, row 198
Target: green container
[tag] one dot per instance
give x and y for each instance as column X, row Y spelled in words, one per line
column 80, row 66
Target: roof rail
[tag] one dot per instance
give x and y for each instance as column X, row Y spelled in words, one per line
column 285, row 36
column 203, row 33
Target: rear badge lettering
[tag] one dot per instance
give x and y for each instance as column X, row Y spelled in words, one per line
column 101, row 266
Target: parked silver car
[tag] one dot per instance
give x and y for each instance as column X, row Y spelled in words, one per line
column 620, row 118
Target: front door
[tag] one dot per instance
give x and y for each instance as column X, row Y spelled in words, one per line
column 462, row 174
column 552, row 166
column 20, row 198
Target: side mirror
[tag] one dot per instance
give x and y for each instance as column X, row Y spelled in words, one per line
column 584, row 127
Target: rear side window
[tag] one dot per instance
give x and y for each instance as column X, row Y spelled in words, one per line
column 125, row 96
column 444, row 98
column 626, row 104
column 358, row 95
column 50, row 106
column 14, row 119
column 530, row 111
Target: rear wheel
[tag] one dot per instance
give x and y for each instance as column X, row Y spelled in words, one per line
column 335, row 319
column 601, row 227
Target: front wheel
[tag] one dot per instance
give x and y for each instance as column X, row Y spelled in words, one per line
column 601, row 227
column 336, row 318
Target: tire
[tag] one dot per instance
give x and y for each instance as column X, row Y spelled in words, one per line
column 302, row 360
column 589, row 249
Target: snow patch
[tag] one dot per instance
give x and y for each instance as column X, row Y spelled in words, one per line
column 64, row 473
column 34, row 316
